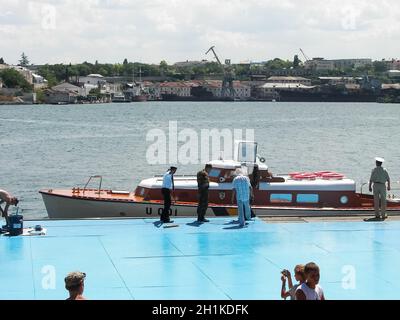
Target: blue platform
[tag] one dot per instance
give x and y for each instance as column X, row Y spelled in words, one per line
column 138, row 259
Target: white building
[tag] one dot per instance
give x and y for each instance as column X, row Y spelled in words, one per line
column 92, row 81
column 242, row 91
column 393, row 64
column 319, row 64
column 294, row 80
column 394, row 73
column 38, row 81
column 351, row 63
column 109, row 88
column 179, row 89
column 339, row 80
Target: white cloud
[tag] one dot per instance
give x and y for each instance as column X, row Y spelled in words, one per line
column 153, row 30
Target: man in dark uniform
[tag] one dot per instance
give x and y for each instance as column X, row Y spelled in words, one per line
column 255, row 182
column 203, row 184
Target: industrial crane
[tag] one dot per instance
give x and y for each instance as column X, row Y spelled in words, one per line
column 304, row 55
column 227, row 83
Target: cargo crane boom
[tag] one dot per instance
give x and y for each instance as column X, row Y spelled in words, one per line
column 227, row 84
column 215, row 55
column 304, row 55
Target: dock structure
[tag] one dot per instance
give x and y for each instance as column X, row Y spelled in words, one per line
column 140, row 259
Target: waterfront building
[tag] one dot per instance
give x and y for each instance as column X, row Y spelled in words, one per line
column 38, row 81
column 292, row 80
column 64, row 93
column 393, row 64
column 179, row 89
column 109, row 88
column 339, row 80
column 92, row 79
column 153, row 89
column 351, row 63
column 242, row 90
column 319, row 64
column 394, row 73
column 60, row 97
column 68, row 87
column 273, row 86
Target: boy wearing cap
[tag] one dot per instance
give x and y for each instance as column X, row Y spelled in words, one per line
column 74, row 283
column 379, row 177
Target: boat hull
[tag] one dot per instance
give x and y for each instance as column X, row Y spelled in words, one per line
column 64, row 207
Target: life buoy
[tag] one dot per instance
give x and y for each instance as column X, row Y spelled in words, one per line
column 305, row 176
column 293, row 174
column 333, row 175
column 321, row 173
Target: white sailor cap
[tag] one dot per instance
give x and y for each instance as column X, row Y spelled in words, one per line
column 378, row 159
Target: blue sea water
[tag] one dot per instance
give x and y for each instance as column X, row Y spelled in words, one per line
column 48, row 146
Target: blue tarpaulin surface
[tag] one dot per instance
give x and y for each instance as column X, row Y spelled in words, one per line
column 139, row 259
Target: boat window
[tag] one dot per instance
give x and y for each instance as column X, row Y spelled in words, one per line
column 281, row 198
column 214, row 173
column 307, row 198
column 344, row 200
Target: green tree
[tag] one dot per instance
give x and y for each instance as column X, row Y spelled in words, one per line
column 125, row 61
column 296, row 61
column 278, row 64
column 13, row 79
column 24, row 61
column 95, row 92
column 379, row 66
column 40, row 96
column 2, row 61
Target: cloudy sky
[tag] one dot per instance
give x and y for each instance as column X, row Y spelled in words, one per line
column 67, row 31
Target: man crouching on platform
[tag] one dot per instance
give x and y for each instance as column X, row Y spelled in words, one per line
column 9, row 200
column 203, row 184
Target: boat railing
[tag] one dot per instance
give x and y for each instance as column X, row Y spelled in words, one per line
column 183, row 176
column 395, row 187
column 90, row 179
